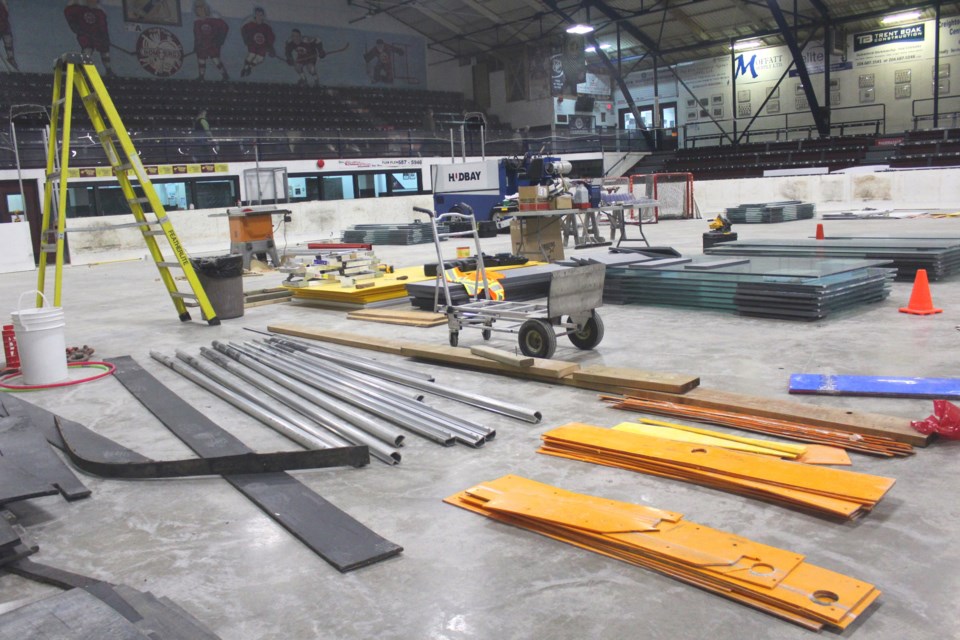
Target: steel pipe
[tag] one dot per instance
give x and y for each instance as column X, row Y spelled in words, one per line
column 466, row 432
column 370, row 399
column 368, row 383
column 401, row 408
column 268, row 418
column 257, row 362
column 307, row 402
column 490, row 404
column 260, row 400
column 359, row 358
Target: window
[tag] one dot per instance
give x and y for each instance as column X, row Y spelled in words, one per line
column 347, row 186
column 107, row 198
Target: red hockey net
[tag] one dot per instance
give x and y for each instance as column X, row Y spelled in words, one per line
column 672, row 191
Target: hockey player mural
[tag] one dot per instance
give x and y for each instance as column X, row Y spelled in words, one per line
column 379, row 61
column 302, row 53
column 209, row 34
column 89, row 22
column 258, row 37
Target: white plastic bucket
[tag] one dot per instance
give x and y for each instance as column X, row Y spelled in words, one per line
column 40, row 340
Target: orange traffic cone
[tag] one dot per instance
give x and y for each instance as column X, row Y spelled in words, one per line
column 920, row 302
column 820, row 232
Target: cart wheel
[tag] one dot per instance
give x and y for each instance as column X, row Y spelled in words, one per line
column 454, row 338
column 591, row 334
column 486, row 333
column 537, row 339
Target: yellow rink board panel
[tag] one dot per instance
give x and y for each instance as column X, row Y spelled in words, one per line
column 773, row 580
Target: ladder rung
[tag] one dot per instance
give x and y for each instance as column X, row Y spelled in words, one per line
column 56, row 175
column 107, row 133
column 183, row 296
column 123, row 167
column 59, row 102
column 169, row 265
column 138, row 200
column 48, row 248
column 90, row 97
column 154, row 233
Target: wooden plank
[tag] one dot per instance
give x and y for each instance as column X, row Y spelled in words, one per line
column 541, row 368
column 360, row 341
column 603, row 378
column 408, row 318
column 504, row 357
column 878, row 386
column 859, row 422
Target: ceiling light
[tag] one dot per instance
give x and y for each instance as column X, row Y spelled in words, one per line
column 906, row 16
column 747, row 44
column 579, row 29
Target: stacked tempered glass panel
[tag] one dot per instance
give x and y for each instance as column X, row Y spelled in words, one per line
column 770, row 212
column 392, row 233
column 940, row 257
column 788, row 288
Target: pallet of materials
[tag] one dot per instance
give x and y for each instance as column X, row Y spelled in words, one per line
column 939, row 256
column 773, row 580
column 786, row 211
column 388, row 288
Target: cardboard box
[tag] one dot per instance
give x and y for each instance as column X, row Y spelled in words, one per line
column 532, row 194
column 534, row 237
column 563, row 202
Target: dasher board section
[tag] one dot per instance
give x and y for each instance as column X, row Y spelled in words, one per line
column 331, row 533
column 884, row 386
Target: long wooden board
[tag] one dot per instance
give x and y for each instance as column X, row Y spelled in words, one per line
column 405, row 317
column 856, row 421
column 500, row 355
column 603, row 378
column 382, row 345
column 541, row 368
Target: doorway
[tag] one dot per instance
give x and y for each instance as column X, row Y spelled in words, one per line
column 666, row 133
column 13, row 205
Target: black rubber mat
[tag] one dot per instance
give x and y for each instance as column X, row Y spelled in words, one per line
column 330, row 532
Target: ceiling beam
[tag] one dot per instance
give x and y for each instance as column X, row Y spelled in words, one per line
column 436, row 17
column 494, row 18
column 820, row 117
column 680, row 16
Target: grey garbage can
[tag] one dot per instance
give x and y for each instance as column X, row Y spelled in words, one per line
column 222, row 280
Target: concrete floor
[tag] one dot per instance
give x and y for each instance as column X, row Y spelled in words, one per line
column 462, row 576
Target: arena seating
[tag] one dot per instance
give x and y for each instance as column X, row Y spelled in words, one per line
column 751, row 160
column 928, row 148
column 145, row 104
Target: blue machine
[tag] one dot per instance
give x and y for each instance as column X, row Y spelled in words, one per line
column 483, row 186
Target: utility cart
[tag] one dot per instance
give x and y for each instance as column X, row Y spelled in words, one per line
column 571, row 309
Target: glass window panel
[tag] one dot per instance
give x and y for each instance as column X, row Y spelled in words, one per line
column 372, row 185
column 173, row 195
column 338, row 188
column 80, row 202
column 404, row 182
column 112, row 201
column 214, row 194
column 14, row 203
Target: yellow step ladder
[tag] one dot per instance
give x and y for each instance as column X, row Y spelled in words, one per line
column 77, row 71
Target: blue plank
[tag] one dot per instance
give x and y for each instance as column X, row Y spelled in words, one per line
column 885, row 386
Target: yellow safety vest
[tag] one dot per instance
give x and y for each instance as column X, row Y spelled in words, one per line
column 473, row 283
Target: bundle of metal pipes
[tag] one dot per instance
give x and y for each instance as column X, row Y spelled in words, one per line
column 323, row 398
